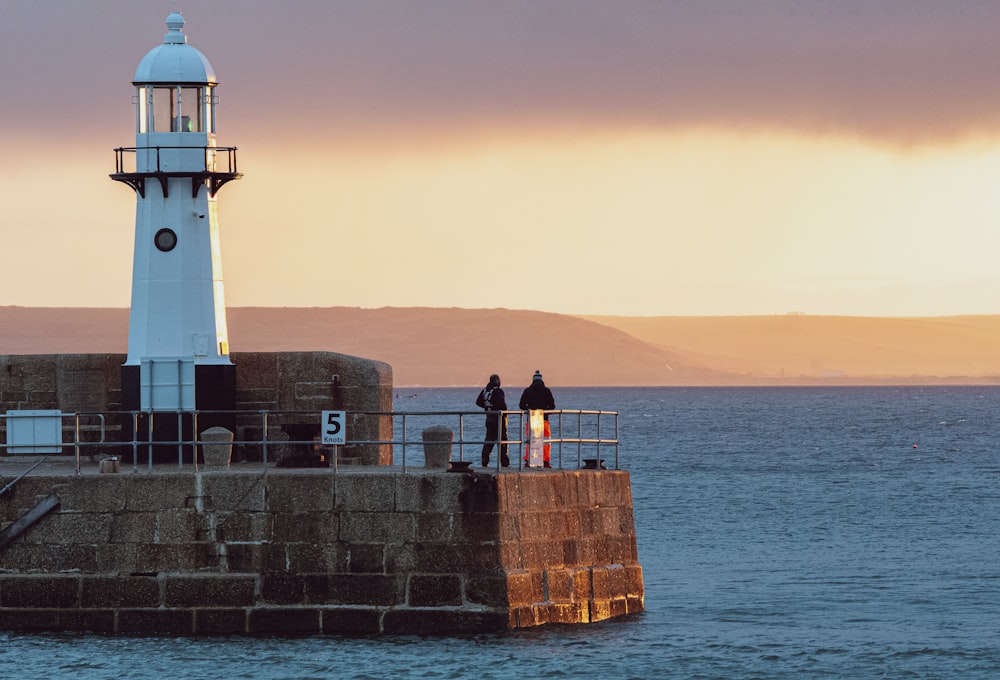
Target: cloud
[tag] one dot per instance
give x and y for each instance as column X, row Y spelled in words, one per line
column 898, row 71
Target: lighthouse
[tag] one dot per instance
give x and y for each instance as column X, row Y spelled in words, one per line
column 178, row 345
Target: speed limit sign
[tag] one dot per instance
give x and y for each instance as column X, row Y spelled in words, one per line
column 334, row 427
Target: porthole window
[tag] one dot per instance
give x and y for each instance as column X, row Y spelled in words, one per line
column 165, row 240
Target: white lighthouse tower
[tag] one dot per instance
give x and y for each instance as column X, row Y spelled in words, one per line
column 178, row 345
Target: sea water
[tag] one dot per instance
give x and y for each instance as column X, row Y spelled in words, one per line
column 783, row 532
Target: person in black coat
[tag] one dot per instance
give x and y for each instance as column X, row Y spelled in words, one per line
column 492, row 400
column 538, row 397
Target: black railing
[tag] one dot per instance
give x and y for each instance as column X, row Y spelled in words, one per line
column 213, row 157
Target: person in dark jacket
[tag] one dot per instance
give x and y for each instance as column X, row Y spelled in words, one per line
column 492, row 400
column 538, row 397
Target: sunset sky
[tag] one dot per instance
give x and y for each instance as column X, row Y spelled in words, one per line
column 614, row 157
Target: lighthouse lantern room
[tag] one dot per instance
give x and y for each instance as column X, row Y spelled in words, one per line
column 178, row 345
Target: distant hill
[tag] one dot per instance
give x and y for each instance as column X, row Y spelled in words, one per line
column 425, row 346
column 798, row 348
column 440, row 347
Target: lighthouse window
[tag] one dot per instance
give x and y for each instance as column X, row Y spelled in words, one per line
column 165, row 240
column 164, row 101
column 177, row 109
column 191, row 109
column 141, row 100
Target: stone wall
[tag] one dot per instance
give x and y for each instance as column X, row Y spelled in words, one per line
column 275, row 381
column 318, row 551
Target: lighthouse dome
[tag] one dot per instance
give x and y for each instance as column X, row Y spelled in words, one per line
column 174, row 61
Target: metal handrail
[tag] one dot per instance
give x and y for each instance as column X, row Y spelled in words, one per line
column 585, row 431
column 214, row 152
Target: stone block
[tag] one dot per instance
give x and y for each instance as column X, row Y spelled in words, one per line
column 366, row 558
column 235, row 492
column 621, row 549
column 366, row 493
column 434, row 590
column 400, row 558
column 441, row 622
column 113, row 592
column 282, row 588
column 508, row 527
column 101, row 621
column 478, row 527
column 571, row 552
column 305, row 527
column 634, row 580
column 481, row 493
column 244, row 526
column 65, row 558
column 430, row 558
column 215, row 590
column 42, row 591
column 558, row 585
column 610, row 489
column 284, row 621
column 533, row 526
column 133, row 527
column 488, row 590
column 583, row 584
column 105, row 493
column 220, row 621
column 28, row 620
column 567, row 612
column 525, row 616
column 377, row 527
column 301, row 492
column 428, row 493
column 61, row 528
column 435, row 527
column 351, row 620
column 525, row 588
column 21, row 557
column 312, row 557
column 117, row 558
column 155, row 621
column 152, row 493
column 178, row 557
column 174, row 525
column 566, row 523
column 511, row 556
column 359, row 589
column 255, row 557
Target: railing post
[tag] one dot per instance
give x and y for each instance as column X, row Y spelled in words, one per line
column 263, row 435
column 149, row 441
column 76, row 441
column 616, row 440
column 135, row 442
column 194, row 438
column 404, row 443
column 180, row 439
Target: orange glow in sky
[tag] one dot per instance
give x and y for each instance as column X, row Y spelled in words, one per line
column 746, row 193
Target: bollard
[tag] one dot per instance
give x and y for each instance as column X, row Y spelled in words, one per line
column 437, row 446
column 217, row 447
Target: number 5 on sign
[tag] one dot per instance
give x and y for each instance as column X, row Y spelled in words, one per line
column 334, row 428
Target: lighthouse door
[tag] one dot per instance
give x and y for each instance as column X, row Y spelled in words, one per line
column 167, row 384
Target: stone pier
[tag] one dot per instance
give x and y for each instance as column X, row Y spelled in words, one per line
column 368, row 550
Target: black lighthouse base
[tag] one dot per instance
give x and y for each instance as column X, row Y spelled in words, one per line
column 215, row 401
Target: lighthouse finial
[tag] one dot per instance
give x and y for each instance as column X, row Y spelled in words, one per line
column 175, row 22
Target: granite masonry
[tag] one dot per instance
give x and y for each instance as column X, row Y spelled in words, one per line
column 303, row 552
